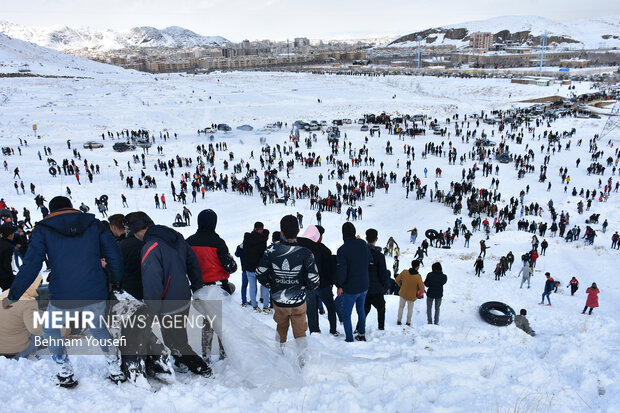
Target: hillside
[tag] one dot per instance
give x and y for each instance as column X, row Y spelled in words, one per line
column 24, row 58
column 602, row 32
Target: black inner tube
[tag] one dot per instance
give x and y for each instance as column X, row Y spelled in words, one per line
column 504, row 319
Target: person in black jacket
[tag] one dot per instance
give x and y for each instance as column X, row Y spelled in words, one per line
column 378, row 277
column 254, row 245
column 6, row 256
column 353, row 259
column 434, row 283
column 327, row 273
column 239, row 253
column 289, row 270
column 170, row 272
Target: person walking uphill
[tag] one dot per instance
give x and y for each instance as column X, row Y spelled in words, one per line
column 411, row 288
column 592, row 300
column 434, row 283
column 549, row 286
column 75, row 244
column 289, row 270
column 352, row 261
column 170, row 272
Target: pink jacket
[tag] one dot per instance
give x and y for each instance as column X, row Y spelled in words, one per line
column 592, row 300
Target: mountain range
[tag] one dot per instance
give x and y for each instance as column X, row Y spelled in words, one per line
column 601, row 32
column 67, row 38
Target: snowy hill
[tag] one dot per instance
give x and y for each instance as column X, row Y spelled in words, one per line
column 602, row 32
column 71, row 38
column 18, row 56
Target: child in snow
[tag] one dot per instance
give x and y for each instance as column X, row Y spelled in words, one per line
column 574, row 285
column 522, row 323
column 549, row 286
column 592, row 300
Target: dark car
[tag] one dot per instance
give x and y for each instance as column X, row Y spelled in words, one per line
column 123, row 147
column 93, row 145
column 224, row 127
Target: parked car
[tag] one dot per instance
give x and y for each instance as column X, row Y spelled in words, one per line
column 595, row 116
column 337, row 122
column 123, row 147
column 93, row 145
column 347, row 121
column 364, row 128
column 224, row 127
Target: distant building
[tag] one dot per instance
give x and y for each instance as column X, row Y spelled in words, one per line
column 301, row 42
column 481, row 40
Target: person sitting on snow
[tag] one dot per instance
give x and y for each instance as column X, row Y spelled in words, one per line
column 522, row 323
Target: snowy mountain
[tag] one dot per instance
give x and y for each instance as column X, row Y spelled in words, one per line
column 601, row 32
column 20, row 57
column 71, row 38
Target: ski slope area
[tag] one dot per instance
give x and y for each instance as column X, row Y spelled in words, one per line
column 463, row 364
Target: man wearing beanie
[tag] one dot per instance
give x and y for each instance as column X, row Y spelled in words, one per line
column 434, row 283
column 353, row 259
column 289, row 270
column 216, row 265
column 75, row 243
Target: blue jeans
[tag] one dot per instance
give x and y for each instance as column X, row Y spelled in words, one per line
column 348, row 300
column 467, row 242
column 546, row 293
column 413, row 238
column 244, row 287
column 17, row 256
column 100, row 331
column 254, row 288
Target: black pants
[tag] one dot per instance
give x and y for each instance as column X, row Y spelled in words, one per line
column 377, row 301
column 327, row 296
column 573, row 289
column 175, row 334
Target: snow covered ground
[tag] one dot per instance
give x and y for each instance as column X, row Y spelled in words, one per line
column 464, row 364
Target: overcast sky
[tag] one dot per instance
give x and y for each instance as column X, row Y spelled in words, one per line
column 281, row 19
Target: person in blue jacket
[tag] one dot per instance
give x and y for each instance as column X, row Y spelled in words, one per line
column 353, row 259
column 78, row 247
column 170, row 272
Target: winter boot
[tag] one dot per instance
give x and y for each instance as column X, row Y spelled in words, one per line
column 360, row 337
column 115, row 374
column 196, row 365
column 64, row 378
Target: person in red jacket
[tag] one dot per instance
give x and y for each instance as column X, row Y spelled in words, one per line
column 592, row 300
column 216, row 265
column 534, row 258
column 574, row 285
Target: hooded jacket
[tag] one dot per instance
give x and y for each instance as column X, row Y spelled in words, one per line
column 74, row 243
column 216, row 263
column 170, row 270
column 288, row 269
column 352, row 259
column 434, row 283
column 254, row 245
column 378, row 276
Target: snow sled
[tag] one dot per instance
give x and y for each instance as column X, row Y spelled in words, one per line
column 593, row 219
column 52, row 171
column 488, row 312
column 431, row 234
column 179, row 224
column 445, row 247
column 104, row 199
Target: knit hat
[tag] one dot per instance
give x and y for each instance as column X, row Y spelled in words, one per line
column 137, row 221
column 312, row 233
column 289, row 226
column 436, row 267
column 348, row 230
column 207, row 220
column 60, row 202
